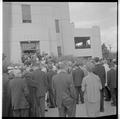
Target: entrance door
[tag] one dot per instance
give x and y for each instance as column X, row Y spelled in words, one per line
column 29, row 47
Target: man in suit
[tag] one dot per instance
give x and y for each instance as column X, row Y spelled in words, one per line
column 6, row 98
column 100, row 71
column 107, row 91
column 50, row 74
column 64, row 92
column 33, row 100
column 78, row 75
column 19, row 96
column 41, row 78
column 111, row 76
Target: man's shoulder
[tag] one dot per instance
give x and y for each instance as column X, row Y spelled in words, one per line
column 99, row 67
column 55, row 76
column 37, row 72
column 16, row 81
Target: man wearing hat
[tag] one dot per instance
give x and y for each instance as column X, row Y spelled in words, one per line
column 50, row 74
column 41, row 78
column 78, row 75
column 100, row 71
column 19, row 95
column 33, row 100
column 112, row 79
column 64, row 92
column 6, row 98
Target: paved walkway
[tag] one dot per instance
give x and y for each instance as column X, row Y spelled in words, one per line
column 81, row 111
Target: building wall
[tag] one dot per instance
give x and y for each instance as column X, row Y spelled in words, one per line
column 6, row 29
column 67, row 34
column 94, row 34
column 42, row 28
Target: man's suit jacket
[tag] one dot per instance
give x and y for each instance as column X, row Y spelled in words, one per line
column 100, row 71
column 78, row 75
column 32, row 87
column 63, row 88
column 19, row 92
column 41, row 78
column 111, row 78
column 6, row 98
column 50, row 74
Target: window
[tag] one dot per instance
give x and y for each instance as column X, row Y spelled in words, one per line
column 29, row 46
column 57, row 26
column 82, row 42
column 26, row 14
column 59, row 51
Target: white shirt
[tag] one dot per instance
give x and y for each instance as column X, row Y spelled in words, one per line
column 106, row 66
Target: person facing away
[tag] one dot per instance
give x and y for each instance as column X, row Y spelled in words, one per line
column 107, row 92
column 91, row 86
column 33, row 100
column 112, row 80
column 64, row 92
column 19, row 96
column 41, row 78
column 6, row 98
column 78, row 75
column 100, row 71
column 50, row 74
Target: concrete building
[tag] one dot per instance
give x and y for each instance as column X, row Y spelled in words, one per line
column 46, row 27
column 91, row 36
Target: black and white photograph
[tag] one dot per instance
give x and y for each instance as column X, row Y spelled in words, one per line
column 59, row 59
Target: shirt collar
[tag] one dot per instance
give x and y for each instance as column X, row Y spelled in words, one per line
column 61, row 70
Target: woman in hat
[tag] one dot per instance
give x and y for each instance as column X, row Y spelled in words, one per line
column 91, row 86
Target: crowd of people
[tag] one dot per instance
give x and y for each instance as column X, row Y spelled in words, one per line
column 31, row 89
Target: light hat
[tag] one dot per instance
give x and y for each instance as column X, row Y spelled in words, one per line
column 90, row 66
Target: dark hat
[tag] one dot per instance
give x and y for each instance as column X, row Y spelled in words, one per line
column 28, row 75
column 96, row 59
column 111, row 64
column 77, row 64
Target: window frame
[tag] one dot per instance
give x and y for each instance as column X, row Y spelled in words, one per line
column 25, row 19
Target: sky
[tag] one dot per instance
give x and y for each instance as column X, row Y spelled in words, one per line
column 102, row 14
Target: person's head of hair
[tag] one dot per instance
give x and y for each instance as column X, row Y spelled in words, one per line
column 27, row 75
column 96, row 59
column 90, row 66
column 111, row 65
column 50, row 66
column 61, row 65
column 114, row 61
column 92, row 61
column 81, row 63
column 36, row 66
column 77, row 64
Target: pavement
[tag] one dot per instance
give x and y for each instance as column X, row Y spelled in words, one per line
column 81, row 110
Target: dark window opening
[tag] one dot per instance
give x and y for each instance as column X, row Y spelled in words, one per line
column 29, row 47
column 57, row 26
column 59, row 51
column 26, row 14
column 82, row 42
